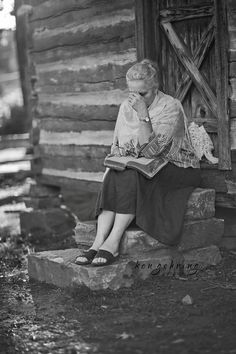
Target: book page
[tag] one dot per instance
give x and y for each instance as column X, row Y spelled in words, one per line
column 125, row 159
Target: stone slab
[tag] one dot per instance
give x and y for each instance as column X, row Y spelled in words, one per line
column 196, row 233
column 57, row 267
column 201, row 204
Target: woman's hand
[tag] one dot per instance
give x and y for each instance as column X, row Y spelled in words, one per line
column 138, row 104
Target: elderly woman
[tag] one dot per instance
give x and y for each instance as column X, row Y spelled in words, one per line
column 150, row 124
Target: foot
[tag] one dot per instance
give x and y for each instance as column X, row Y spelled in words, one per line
column 104, row 257
column 86, row 257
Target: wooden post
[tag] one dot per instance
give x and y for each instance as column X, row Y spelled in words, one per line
column 221, row 46
column 22, row 41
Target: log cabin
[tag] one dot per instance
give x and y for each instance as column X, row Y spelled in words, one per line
column 73, row 59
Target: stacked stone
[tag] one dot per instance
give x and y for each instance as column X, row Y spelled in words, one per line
column 46, row 222
column 140, row 254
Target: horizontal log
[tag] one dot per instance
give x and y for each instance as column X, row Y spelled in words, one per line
column 71, row 174
column 186, row 13
column 87, row 137
column 90, row 73
column 72, row 163
column 75, row 51
column 232, row 69
column 67, row 125
column 89, row 152
column 99, row 29
column 232, row 83
column 82, row 106
column 61, row 13
column 232, row 38
column 231, row 17
column 70, row 184
column 233, row 133
column 232, row 54
column 232, row 108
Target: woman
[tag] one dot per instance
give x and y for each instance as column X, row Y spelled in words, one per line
column 151, row 124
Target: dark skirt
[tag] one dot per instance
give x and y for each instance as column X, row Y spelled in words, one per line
column 159, row 204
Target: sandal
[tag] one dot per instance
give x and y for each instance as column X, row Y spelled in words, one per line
column 108, row 256
column 89, row 255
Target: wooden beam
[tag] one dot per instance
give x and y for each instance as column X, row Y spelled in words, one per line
column 186, row 13
column 221, row 48
column 87, row 137
column 184, row 57
column 198, row 58
column 145, row 21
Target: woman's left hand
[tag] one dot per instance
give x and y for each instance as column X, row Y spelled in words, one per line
column 138, row 104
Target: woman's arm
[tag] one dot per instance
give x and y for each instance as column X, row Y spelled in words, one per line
column 168, row 126
column 145, row 127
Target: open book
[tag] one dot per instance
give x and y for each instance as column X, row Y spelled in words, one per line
column 148, row 167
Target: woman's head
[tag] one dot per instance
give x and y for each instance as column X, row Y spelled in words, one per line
column 142, row 78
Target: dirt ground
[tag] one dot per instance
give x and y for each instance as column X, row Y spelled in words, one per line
column 147, row 318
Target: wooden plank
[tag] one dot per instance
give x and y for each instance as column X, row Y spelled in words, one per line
column 232, row 83
column 51, row 8
column 232, row 108
column 232, row 55
column 54, row 14
column 198, row 58
column 57, row 124
column 90, row 152
column 68, row 182
column 119, row 44
column 73, row 163
column 87, row 137
column 99, row 29
column 232, row 38
column 233, row 134
column 73, row 174
column 89, row 73
column 182, row 53
column 23, row 38
column 83, row 106
column 182, row 13
column 222, row 85
column 232, row 69
column 146, row 39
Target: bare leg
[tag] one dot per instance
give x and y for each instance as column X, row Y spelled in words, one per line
column 112, row 242
column 104, row 225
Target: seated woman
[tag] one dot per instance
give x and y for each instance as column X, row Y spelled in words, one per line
column 158, row 205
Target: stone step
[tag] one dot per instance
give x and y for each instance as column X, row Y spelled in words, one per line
column 57, row 267
column 196, row 233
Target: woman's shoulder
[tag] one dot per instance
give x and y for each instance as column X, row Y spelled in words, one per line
column 168, row 99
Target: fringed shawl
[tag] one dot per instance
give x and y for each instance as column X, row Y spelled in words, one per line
column 170, row 133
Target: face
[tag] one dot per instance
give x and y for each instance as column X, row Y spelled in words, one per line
column 140, row 86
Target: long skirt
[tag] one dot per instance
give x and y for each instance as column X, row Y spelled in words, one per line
column 159, row 204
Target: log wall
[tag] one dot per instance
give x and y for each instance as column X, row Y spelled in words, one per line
column 81, row 52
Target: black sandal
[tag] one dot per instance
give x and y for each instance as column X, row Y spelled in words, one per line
column 108, row 256
column 89, row 255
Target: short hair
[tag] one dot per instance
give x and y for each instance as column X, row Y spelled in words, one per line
column 145, row 70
